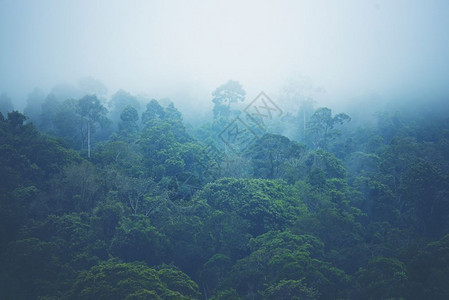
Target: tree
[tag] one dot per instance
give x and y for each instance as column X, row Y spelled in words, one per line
column 298, row 94
column 321, row 126
column 428, row 271
column 174, row 117
column 119, row 101
column 266, row 204
column 67, row 123
column 5, row 104
column 305, row 111
column 119, row 155
column 165, row 144
column 226, row 94
column 427, row 195
column 16, row 119
column 34, row 104
column 115, row 280
column 49, row 109
column 138, row 193
column 275, row 156
column 93, row 112
column 32, row 269
column 81, row 186
column 128, row 128
column 129, row 114
column 327, row 162
column 384, row 278
column 136, row 240
column 290, row 289
column 281, row 258
column 154, row 111
column 161, row 151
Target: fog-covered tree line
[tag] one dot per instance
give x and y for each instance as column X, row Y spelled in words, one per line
column 118, row 198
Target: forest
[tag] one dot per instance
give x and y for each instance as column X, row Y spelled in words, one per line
column 119, row 198
column 224, row 150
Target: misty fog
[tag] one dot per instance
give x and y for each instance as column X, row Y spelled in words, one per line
column 224, row 149
column 183, row 50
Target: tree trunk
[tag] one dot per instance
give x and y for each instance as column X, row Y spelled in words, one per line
column 304, row 119
column 88, row 139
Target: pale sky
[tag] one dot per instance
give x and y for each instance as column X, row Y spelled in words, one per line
column 187, row 48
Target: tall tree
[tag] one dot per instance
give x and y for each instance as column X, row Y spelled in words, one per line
column 321, row 126
column 119, row 101
column 49, row 109
column 224, row 95
column 93, row 112
column 5, row 104
column 34, row 104
column 66, row 122
column 275, row 156
column 128, row 127
column 154, row 111
column 305, row 111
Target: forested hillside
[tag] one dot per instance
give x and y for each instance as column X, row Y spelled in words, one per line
column 119, row 198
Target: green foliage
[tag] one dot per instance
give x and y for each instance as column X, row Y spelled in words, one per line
column 428, row 271
column 120, row 156
column 154, row 111
column 363, row 215
column 33, row 269
column 426, row 193
column 165, row 145
column 275, row 156
column 69, row 125
column 128, row 128
column 28, row 161
column 80, row 186
column 5, row 104
column 90, row 109
column 114, row 280
column 76, row 120
column 320, row 128
column 290, row 289
column 119, row 102
column 226, row 94
column 266, row 204
column 327, row 162
column 49, row 110
column 161, row 151
column 279, row 258
column 74, row 237
column 136, row 240
column 384, row 278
